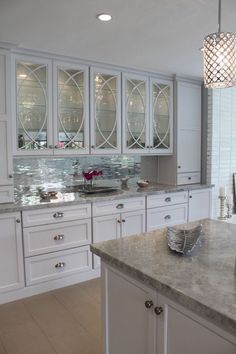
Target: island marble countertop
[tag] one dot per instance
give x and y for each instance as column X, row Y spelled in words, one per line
column 28, row 197
column 204, row 282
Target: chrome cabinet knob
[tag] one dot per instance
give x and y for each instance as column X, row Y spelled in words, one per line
column 189, row 178
column 93, row 146
column 123, row 220
column 10, row 176
column 168, row 199
column 120, row 206
column 167, row 217
column 58, row 237
column 158, row 310
column 58, row 215
column 148, row 304
column 179, row 166
column 190, row 196
column 60, row 265
column 18, row 221
column 119, row 222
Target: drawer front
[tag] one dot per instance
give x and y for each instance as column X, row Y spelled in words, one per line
column 57, row 265
column 56, row 215
column 167, row 199
column 121, row 205
column 188, row 178
column 158, row 218
column 49, row 238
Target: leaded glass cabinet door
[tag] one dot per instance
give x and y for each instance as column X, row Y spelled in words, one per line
column 161, row 131
column 105, row 111
column 135, row 114
column 32, row 105
column 71, row 134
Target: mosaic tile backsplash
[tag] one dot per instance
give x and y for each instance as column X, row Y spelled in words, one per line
column 58, row 171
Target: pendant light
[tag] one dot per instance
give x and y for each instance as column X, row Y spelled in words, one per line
column 219, row 51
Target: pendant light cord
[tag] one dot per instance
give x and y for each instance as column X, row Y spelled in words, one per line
column 219, row 16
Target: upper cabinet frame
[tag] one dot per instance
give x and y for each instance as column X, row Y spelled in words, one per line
column 32, row 104
column 105, row 111
column 70, row 108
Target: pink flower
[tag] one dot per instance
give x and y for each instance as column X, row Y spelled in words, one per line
column 89, row 175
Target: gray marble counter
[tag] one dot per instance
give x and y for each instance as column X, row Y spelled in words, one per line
column 204, row 282
column 28, row 198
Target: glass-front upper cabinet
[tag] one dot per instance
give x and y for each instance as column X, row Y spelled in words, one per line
column 105, row 111
column 71, row 124
column 32, row 107
column 161, row 132
column 135, row 113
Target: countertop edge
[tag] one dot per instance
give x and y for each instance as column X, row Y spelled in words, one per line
column 215, row 317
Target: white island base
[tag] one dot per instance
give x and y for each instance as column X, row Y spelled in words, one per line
column 139, row 320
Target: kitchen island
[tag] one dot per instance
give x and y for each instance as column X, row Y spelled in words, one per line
column 157, row 301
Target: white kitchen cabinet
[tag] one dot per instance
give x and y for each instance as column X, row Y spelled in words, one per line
column 105, row 109
column 138, row 319
column 185, row 166
column 200, row 202
column 135, row 94
column 181, row 331
column 118, row 218
column 71, row 108
column 166, row 210
column 161, row 114
column 32, row 105
column 129, row 317
column 11, row 253
column 6, row 172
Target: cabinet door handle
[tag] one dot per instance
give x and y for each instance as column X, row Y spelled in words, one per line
column 18, row 221
column 119, row 222
column 58, row 237
column 120, row 206
column 190, row 196
column 10, row 176
column 148, row 304
column 58, row 215
column 60, row 265
column 158, row 310
column 189, row 178
column 123, row 220
column 167, row 217
column 93, row 146
column 179, row 166
column 168, row 199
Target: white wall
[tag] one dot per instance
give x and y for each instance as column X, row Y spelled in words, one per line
column 221, row 146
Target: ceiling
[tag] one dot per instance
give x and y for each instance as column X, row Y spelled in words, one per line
column 159, row 35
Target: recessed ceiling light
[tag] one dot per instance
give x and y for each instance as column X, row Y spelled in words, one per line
column 104, row 17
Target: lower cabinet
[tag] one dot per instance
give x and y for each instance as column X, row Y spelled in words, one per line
column 110, row 227
column 56, row 242
column 200, row 202
column 11, row 255
column 158, row 218
column 138, row 320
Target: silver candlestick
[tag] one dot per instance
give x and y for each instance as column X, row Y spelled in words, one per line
column 222, row 208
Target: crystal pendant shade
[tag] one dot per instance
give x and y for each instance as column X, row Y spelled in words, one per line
column 219, row 60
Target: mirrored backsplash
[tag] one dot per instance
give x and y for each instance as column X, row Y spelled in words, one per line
column 49, row 171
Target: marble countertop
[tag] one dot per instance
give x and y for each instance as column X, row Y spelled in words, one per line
column 29, row 198
column 204, row 282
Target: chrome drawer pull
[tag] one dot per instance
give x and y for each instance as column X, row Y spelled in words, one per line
column 148, row 304
column 123, row 220
column 120, row 206
column 58, row 215
column 60, row 265
column 168, row 199
column 58, row 237
column 167, row 217
column 119, row 222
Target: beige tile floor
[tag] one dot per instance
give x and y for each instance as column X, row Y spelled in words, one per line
column 64, row 321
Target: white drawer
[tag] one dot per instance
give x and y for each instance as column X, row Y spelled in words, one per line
column 165, row 199
column 49, row 238
column 44, row 268
column 158, row 218
column 188, row 178
column 54, row 215
column 121, row 205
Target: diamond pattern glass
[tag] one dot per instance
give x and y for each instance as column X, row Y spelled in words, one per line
column 219, row 60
